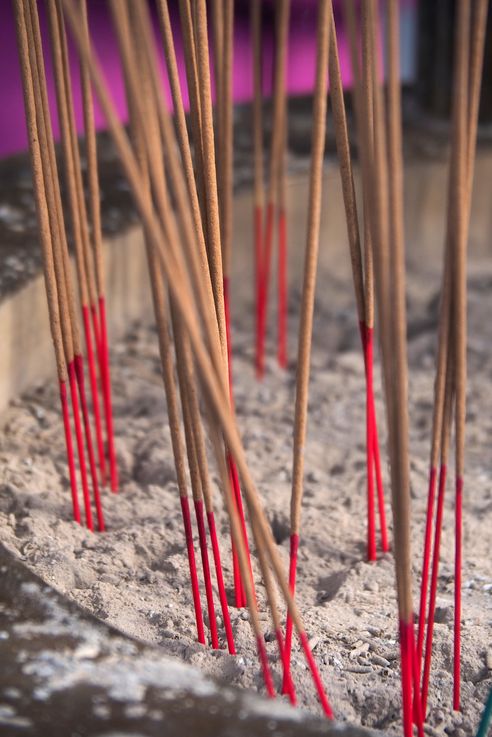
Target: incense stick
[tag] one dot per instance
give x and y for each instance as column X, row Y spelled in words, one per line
column 308, row 292
column 96, row 233
column 258, row 187
column 282, row 27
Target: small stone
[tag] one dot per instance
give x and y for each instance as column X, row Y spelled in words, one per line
column 371, row 585
column 488, row 659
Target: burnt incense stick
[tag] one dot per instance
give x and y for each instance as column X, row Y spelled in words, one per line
column 281, row 38
column 46, row 244
column 308, row 293
column 179, row 287
column 258, row 186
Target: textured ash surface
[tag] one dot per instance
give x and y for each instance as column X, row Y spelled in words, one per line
column 135, row 575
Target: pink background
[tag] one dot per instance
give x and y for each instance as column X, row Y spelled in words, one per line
column 300, row 73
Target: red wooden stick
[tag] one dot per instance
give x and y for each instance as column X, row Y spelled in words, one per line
column 80, row 445
column 433, row 587
column 287, row 683
column 426, row 562
column 371, row 519
column 315, row 674
column 200, row 519
column 185, row 510
column 417, row 704
column 375, row 448
column 70, row 453
column 94, row 392
column 220, row 583
column 267, row 674
column 457, row 594
column 234, row 476
column 294, row 547
column 108, row 409
column 406, row 654
column 79, row 373
column 263, row 291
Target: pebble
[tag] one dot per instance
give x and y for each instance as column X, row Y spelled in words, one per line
column 488, row 659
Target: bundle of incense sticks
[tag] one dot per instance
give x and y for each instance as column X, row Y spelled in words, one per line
column 56, row 263
column 185, row 263
column 450, row 382
column 182, row 188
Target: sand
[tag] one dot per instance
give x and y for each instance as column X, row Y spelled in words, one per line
column 135, row 576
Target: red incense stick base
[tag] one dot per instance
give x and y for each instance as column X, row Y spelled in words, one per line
column 185, row 511
column 202, row 535
column 70, row 453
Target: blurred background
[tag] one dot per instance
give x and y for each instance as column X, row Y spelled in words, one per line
column 426, row 51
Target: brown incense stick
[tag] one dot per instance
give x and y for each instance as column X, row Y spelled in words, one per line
column 400, row 468
column 308, row 290
column 258, row 187
column 226, row 141
column 180, row 123
column 209, row 170
column 282, row 27
column 96, row 243
column 459, row 203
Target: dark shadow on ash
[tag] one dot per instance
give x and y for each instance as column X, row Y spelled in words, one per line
column 329, row 586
